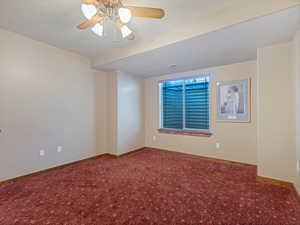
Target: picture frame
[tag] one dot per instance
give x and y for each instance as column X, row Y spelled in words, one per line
column 234, row 101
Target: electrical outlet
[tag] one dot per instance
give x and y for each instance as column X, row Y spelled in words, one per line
column 154, row 138
column 42, row 152
column 59, row 149
column 218, row 145
column 298, row 167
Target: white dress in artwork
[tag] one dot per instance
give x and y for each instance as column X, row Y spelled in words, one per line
column 232, row 102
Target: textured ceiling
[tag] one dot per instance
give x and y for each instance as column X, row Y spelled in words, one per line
column 187, row 36
column 54, row 21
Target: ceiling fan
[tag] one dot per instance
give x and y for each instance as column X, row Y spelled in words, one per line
column 99, row 11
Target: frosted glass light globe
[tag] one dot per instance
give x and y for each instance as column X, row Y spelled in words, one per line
column 98, row 29
column 88, row 10
column 125, row 31
column 125, row 15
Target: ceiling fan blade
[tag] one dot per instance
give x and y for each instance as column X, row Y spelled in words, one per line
column 90, row 22
column 90, row 2
column 104, row 2
column 95, row 2
column 146, row 12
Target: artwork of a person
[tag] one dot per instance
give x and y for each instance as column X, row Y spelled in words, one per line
column 232, row 100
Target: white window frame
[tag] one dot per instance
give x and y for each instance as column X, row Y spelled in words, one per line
column 209, row 75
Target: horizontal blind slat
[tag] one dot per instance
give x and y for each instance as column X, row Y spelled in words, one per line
column 172, row 106
column 196, row 97
column 197, row 106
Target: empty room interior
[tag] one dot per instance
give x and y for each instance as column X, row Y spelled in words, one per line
column 171, row 112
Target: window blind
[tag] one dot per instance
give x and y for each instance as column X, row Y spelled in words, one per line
column 173, row 104
column 185, row 104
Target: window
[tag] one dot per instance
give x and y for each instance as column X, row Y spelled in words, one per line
column 185, row 104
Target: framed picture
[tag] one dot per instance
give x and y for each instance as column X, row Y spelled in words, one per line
column 233, row 103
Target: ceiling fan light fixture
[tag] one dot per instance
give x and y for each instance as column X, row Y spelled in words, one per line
column 88, row 10
column 106, row 17
column 125, row 31
column 125, row 15
column 98, row 29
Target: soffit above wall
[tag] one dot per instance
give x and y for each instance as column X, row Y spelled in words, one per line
column 226, row 46
column 237, row 12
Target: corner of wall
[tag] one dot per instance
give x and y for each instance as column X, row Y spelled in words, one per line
column 130, row 112
column 273, row 62
column 296, row 58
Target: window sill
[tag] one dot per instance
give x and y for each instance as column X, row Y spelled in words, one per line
column 185, row 132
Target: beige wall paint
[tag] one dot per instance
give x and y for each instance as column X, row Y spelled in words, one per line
column 238, row 140
column 130, row 113
column 112, row 110
column 47, row 99
column 276, row 126
column 296, row 46
column 51, row 97
column 125, row 119
column 101, row 101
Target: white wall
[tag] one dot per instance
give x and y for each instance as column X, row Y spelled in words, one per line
column 130, row 113
column 238, row 140
column 47, row 99
column 276, row 126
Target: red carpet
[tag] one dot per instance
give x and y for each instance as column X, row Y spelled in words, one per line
column 148, row 187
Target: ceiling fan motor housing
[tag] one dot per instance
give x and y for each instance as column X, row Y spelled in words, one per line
column 111, row 11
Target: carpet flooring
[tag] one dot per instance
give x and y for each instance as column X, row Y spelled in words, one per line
column 148, row 187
